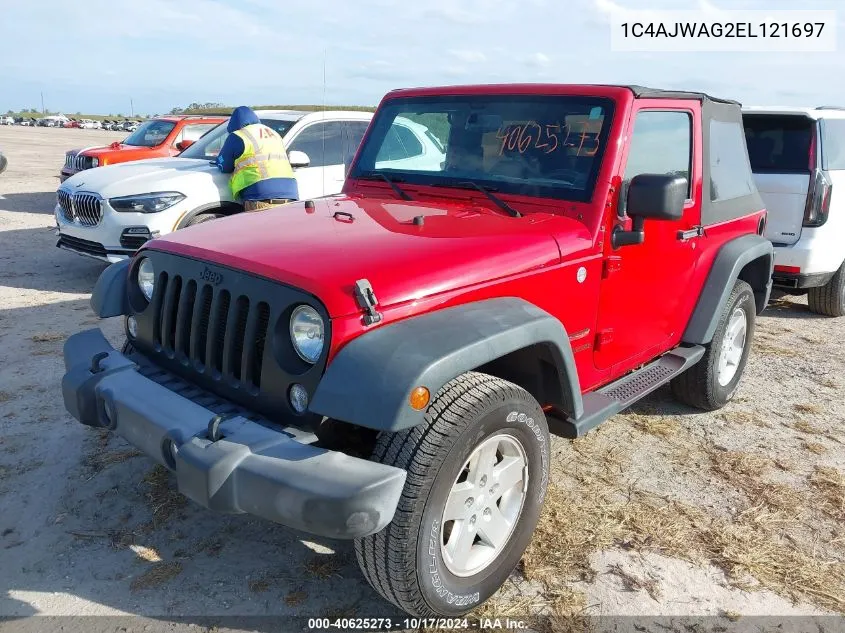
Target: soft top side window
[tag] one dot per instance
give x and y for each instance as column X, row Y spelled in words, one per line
column 730, row 168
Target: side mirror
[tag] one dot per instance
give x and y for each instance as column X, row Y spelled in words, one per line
column 183, row 145
column 650, row 196
column 298, row 159
column 657, row 196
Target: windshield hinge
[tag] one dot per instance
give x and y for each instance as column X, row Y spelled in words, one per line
column 366, row 299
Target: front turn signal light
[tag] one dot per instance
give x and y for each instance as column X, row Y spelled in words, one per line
column 420, row 398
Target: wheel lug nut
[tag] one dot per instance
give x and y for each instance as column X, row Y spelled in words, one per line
column 472, row 520
column 483, row 481
column 487, row 513
column 469, row 502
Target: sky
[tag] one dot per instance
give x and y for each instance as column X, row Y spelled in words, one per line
column 94, row 56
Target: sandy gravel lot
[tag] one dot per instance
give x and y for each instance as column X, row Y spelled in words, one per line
column 661, row 511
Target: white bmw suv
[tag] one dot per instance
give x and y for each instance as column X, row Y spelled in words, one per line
column 798, row 159
column 109, row 212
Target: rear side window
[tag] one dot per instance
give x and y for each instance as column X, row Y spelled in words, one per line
column 833, row 144
column 778, row 143
column 661, row 144
column 730, row 171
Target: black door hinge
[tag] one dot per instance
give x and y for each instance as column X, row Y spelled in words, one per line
column 366, row 299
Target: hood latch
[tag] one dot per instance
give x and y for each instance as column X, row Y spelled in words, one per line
column 366, row 299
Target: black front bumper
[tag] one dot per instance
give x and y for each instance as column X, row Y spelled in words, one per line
column 247, row 468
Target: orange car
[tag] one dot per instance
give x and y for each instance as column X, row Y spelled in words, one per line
column 156, row 138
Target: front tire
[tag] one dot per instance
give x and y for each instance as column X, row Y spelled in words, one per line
column 829, row 300
column 202, row 218
column 477, row 474
column 713, row 381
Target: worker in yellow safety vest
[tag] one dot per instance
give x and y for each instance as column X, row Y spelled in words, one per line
column 255, row 155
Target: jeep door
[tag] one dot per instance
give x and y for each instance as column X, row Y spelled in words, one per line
column 645, row 287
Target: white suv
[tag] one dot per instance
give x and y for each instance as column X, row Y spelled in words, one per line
column 798, row 158
column 109, row 212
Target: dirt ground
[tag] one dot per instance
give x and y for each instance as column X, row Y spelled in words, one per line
column 661, row 511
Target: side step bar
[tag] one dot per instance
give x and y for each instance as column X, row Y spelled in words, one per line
column 611, row 399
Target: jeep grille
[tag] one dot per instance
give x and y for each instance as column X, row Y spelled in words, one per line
column 210, row 328
column 226, row 331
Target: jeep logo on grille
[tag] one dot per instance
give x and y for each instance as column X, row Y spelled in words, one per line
column 210, row 276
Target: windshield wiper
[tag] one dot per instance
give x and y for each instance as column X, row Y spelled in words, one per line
column 374, row 175
column 487, row 191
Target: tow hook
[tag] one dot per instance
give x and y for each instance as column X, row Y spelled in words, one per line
column 95, row 362
column 366, row 298
column 214, row 433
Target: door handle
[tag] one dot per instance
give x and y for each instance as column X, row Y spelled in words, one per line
column 697, row 231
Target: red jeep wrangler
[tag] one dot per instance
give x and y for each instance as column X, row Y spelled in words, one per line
column 387, row 364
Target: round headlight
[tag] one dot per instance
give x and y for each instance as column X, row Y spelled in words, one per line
column 146, row 278
column 307, row 333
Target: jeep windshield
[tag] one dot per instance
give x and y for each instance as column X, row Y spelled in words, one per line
column 150, row 134
column 209, row 144
column 545, row 146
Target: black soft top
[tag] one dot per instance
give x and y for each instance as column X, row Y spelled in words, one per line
column 724, row 149
column 641, row 92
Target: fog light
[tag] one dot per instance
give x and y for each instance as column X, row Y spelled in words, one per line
column 132, row 326
column 298, row 398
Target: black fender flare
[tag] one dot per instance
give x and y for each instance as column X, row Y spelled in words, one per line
column 226, row 207
column 109, row 297
column 751, row 258
column 369, row 381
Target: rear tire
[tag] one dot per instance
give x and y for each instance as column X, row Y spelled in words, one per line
column 829, row 300
column 465, row 516
column 713, row 381
column 202, row 218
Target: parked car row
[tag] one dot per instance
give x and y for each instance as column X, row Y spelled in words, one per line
column 120, row 126
column 125, row 125
column 25, row 121
column 469, row 270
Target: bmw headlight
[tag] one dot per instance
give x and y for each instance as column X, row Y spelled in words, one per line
column 95, row 162
column 307, row 333
column 147, row 202
column 146, row 278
